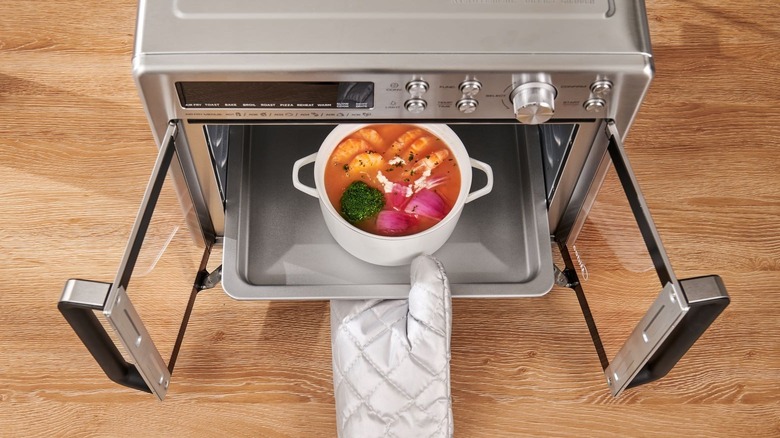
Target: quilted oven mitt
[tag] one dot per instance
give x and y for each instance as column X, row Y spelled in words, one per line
column 391, row 360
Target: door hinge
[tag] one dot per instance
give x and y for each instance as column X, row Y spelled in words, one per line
column 565, row 278
column 211, row 280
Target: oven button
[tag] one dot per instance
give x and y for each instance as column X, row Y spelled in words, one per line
column 470, row 88
column 595, row 105
column 417, row 87
column 533, row 102
column 601, row 88
column 467, row 106
column 415, row 105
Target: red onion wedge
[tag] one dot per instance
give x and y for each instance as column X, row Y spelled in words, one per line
column 391, row 222
column 427, row 203
column 398, row 197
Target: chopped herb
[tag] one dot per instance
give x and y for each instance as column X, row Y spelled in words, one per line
column 406, row 179
column 427, row 157
column 389, row 169
column 412, row 172
column 346, row 168
column 411, row 156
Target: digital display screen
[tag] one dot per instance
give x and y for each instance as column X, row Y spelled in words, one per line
column 270, row 95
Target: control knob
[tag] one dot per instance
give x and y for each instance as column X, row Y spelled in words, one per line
column 534, row 102
column 467, row 105
column 470, row 87
column 417, row 87
column 415, row 105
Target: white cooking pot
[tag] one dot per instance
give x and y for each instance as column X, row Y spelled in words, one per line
column 390, row 250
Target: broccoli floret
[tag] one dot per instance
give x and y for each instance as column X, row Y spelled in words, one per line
column 361, row 201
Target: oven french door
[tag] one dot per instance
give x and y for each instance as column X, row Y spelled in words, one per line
column 82, row 299
column 680, row 314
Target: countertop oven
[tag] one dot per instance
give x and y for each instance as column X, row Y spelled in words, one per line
column 544, row 92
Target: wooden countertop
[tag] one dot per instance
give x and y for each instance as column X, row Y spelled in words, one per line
column 77, row 152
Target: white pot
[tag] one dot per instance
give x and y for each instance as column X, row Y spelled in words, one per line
column 390, row 250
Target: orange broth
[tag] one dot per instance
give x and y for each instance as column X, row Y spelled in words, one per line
column 338, row 175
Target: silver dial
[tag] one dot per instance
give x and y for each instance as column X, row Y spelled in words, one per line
column 417, row 87
column 595, row 105
column 415, row 106
column 601, row 88
column 468, row 105
column 534, row 102
column 470, row 88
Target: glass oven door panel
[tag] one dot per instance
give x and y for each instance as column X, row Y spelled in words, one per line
column 557, row 140
column 617, row 257
column 217, row 138
column 160, row 262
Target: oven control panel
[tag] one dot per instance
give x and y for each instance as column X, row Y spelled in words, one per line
column 530, row 98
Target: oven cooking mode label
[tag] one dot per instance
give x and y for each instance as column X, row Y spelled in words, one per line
column 276, row 94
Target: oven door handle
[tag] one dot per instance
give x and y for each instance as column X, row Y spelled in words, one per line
column 706, row 297
column 78, row 303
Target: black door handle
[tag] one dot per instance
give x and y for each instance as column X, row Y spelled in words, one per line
column 707, row 297
column 79, row 301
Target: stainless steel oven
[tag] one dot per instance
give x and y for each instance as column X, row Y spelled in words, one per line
column 544, row 92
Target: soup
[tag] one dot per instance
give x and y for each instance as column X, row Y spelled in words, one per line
column 392, row 180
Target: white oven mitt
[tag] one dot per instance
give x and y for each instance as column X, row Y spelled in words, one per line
column 391, row 360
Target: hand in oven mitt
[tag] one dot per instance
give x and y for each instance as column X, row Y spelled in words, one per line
column 391, row 360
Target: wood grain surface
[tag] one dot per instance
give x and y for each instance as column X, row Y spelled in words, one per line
column 77, row 151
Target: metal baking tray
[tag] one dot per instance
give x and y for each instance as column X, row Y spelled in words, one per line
column 276, row 244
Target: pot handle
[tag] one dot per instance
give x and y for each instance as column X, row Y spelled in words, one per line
column 311, row 191
column 488, row 187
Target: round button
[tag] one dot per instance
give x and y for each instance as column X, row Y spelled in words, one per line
column 415, row 106
column 534, row 102
column 595, row 105
column 470, row 88
column 467, row 106
column 601, row 88
column 417, row 87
